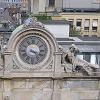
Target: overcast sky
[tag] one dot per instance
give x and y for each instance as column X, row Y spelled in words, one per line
column 80, row 4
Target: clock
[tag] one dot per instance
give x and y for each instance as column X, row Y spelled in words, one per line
column 32, row 50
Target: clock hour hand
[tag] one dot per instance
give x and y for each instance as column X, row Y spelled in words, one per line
column 33, row 51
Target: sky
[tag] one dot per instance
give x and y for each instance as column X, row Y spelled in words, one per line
column 80, row 4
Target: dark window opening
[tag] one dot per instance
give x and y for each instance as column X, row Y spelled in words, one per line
column 87, row 57
column 78, row 24
column 51, row 2
column 86, row 28
column 71, row 24
column 5, row 25
column 94, row 29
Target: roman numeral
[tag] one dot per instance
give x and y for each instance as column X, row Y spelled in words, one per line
column 24, row 46
column 32, row 60
column 28, row 42
column 41, row 54
column 37, row 57
column 42, row 50
column 40, row 46
column 22, row 50
column 24, row 54
column 37, row 42
column 33, row 41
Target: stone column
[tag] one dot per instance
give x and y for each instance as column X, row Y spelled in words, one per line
column 56, row 94
column 32, row 1
column 56, row 90
column 42, row 5
column 57, row 69
column 99, row 89
column 58, row 5
column 7, row 90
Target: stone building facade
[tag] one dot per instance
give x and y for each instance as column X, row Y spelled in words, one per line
column 22, row 4
column 86, row 23
column 42, row 6
column 31, row 68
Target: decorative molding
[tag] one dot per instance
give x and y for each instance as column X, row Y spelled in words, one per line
column 15, row 66
column 50, row 65
column 1, row 85
column 38, row 66
column 32, row 22
column 32, row 84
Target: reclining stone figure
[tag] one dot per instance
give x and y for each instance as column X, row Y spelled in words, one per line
column 79, row 65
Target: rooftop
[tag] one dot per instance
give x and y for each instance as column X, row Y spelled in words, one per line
column 82, row 10
column 55, row 22
column 87, row 38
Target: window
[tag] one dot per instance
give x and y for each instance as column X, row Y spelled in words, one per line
column 0, row 25
column 51, row 2
column 80, row 56
column 98, row 59
column 78, row 24
column 71, row 23
column 87, row 57
column 86, row 24
column 95, row 25
column 5, row 25
column 93, row 58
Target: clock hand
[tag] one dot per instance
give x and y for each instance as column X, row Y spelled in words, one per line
column 33, row 51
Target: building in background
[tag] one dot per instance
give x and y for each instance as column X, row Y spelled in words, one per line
column 85, row 21
column 10, row 18
column 85, row 18
column 35, row 69
column 59, row 28
column 48, row 6
column 22, row 4
column 89, row 47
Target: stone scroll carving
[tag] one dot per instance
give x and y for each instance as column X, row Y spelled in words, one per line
column 76, row 64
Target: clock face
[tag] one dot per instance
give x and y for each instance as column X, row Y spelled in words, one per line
column 32, row 50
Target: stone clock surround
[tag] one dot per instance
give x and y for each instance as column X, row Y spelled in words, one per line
column 45, row 68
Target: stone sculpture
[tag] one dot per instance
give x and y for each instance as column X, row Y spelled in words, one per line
column 78, row 65
column 32, row 22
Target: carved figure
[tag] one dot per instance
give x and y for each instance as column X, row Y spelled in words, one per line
column 78, row 64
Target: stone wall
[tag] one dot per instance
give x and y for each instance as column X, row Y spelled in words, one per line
column 49, row 89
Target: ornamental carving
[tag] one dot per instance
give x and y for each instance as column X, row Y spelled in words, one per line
column 76, row 64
